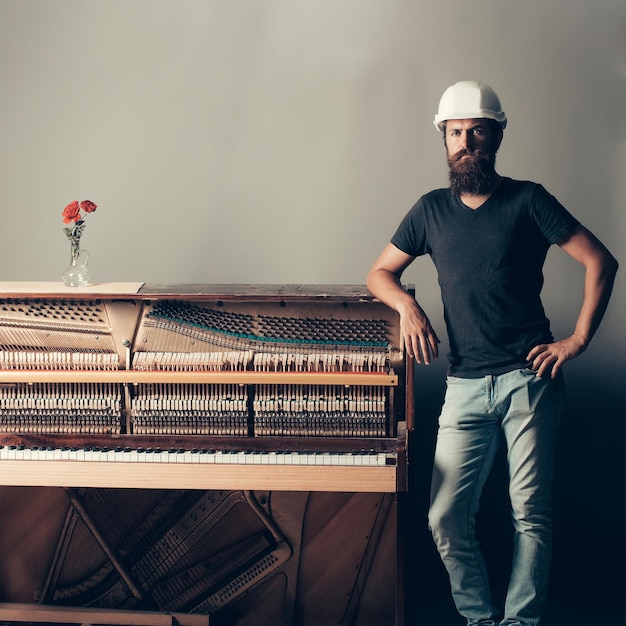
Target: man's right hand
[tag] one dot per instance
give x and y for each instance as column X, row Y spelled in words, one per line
column 383, row 281
column 420, row 338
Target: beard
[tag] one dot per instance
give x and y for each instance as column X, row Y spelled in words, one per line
column 474, row 175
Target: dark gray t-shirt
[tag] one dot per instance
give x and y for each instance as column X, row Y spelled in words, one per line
column 489, row 262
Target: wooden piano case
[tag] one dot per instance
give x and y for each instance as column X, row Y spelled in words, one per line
column 231, row 451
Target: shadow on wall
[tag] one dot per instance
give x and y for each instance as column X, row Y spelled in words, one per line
column 590, row 508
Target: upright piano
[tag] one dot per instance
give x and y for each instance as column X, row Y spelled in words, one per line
column 207, row 439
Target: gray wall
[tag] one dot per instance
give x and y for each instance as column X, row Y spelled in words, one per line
column 281, row 141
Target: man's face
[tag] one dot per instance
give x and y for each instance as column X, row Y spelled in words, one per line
column 464, row 136
column 471, row 151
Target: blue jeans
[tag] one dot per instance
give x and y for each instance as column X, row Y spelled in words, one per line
column 525, row 410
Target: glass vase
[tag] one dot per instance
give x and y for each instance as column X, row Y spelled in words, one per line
column 77, row 273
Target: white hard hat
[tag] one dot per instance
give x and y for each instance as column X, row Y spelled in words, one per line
column 469, row 99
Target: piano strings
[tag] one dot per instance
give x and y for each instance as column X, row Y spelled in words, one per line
column 51, row 335
column 176, row 336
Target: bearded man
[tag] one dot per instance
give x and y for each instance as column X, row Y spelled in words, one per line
column 488, row 236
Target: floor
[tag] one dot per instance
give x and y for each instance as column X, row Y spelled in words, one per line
column 553, row 617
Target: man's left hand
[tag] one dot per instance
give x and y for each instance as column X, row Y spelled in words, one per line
column 550, row 357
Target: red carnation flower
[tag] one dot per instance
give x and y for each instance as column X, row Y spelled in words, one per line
column 71, row 213
column 88, row 206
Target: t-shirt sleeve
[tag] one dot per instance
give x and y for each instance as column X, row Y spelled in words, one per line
column 552, row 218
column 410, row 236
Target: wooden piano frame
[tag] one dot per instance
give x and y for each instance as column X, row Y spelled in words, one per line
column 389, row 479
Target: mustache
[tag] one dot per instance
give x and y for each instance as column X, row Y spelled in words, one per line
column 477, row 154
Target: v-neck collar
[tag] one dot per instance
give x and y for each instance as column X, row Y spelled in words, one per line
column 465, row 207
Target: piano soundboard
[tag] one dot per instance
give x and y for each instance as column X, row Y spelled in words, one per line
column 289, row 387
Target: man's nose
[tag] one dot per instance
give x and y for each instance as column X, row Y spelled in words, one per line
column 467, row 140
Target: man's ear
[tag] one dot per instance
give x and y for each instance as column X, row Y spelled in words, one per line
column 498, row 140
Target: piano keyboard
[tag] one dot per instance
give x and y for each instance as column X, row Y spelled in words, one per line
column 199, row 457
column 122, row 466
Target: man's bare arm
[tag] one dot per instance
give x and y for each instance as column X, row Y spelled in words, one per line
column 600, row 270
column 383, row 281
